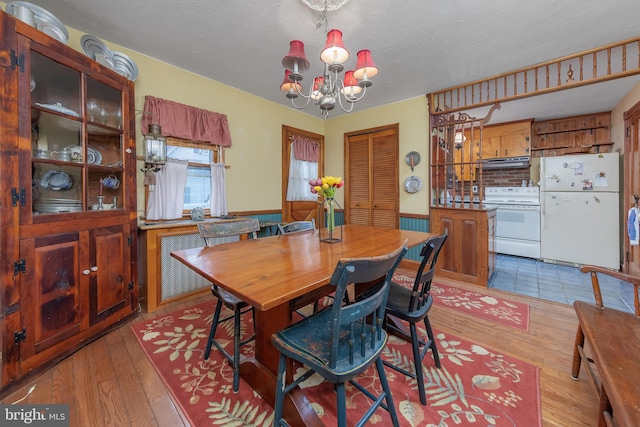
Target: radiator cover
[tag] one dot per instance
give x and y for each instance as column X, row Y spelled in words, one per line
column 177, row 279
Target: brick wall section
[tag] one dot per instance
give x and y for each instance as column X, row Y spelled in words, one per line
column 505, row 177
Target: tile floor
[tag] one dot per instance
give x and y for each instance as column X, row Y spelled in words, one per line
column 555, row 282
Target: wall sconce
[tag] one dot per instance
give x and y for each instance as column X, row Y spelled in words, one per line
column 155, row 147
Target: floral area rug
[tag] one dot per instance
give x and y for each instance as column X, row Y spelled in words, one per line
column 498, row 310
column 475, row 386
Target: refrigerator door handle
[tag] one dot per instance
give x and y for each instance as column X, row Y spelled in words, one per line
column 543, row 210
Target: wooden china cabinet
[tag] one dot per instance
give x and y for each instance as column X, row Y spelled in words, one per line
column 68, row 241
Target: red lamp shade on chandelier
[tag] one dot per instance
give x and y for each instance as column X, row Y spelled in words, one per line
column 334, row 51
column 328, row 89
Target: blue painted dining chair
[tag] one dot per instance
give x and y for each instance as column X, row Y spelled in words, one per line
column 342, row 341
column 296, row 226
column 412, row 305
column 216, row 232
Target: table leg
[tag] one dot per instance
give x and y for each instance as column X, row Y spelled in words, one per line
column 260, row 372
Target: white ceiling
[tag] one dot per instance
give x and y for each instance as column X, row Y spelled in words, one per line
column 419, row 45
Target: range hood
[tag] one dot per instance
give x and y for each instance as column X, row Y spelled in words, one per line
column 507, row 162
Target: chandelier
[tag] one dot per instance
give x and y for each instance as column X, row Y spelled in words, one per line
column 329, row 89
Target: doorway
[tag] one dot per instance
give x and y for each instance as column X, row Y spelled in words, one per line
column 631, row 167
column 294, row 209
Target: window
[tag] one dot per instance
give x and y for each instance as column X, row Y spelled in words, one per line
column 197, row 193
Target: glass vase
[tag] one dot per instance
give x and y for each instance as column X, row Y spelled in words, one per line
column 330, row 233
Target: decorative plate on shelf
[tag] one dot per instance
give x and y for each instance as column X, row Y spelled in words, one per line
column 412, row 184
column 56, row 180
column 95, row 49
column 59, row 108
column 94, row 157
column 45, row 20
column 125, row 65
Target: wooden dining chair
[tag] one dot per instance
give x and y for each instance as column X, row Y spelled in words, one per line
column 342, row 341
column 297, row 226
column 609, row 334
column 215, row 233
column 412, row 305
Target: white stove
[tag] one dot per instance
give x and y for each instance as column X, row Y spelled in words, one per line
column 512, row 196
column 517, row 219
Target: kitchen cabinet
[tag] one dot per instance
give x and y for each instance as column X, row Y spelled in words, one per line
column 68, row 200
column 469, row 254
column 590, row 133
column 506, row 140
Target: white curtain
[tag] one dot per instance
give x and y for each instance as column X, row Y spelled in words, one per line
column 167, row 199
column 218, row 206
column 300, row 172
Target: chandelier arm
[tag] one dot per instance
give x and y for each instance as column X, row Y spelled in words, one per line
column 350, row 102
column 308, row 98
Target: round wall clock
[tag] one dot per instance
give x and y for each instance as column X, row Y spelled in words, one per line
column 412, row 159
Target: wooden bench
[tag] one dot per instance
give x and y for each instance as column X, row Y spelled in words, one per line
column 611, row 354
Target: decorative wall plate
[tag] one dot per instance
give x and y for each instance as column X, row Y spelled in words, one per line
column 412, row 159
column 412, row 184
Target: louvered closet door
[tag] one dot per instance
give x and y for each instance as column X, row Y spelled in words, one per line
column 372, row 178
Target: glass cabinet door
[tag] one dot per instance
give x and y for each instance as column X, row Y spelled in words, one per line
column 103, row 108
column 76, row 140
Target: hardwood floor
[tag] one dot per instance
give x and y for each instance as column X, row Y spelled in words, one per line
column 110, row 382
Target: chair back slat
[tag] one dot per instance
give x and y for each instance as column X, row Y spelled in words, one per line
column 354, row 315
column 426, row 270
column 212, row 230
column 634, row 281
column 296, row 226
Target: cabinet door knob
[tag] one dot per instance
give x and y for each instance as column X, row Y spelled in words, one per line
column 94, row 268
column 85, row 272
column 128, row 150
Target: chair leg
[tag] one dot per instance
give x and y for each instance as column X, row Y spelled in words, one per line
column 385, row 387
column 236, row 349
column 577, row 359
column 417, row 362
column 280, row 386
column 434, row 346
column 212, row 332
column 342, row 404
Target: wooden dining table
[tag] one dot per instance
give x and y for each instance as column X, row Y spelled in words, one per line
column 278, row 274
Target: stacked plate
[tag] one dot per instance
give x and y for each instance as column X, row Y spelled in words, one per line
column 95, row 49
column 40, row 18
column 48, row 205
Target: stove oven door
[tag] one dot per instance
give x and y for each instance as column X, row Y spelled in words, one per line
column 518, row 230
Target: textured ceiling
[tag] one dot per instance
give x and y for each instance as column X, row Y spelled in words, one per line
column 419, row 45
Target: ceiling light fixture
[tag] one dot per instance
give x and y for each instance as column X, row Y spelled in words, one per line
column 328, row 89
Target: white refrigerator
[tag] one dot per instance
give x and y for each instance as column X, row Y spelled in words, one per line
column 579, row 204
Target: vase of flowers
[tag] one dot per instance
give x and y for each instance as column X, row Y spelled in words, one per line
column 326, row 188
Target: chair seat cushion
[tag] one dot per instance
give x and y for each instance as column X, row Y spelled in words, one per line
column 308, row 342
column 227, row 298
column 398, row 304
